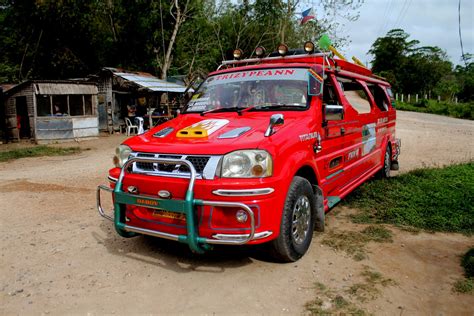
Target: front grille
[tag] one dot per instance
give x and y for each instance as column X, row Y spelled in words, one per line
column 199, row 163
column 148, row 166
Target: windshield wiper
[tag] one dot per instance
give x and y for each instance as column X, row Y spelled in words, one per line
column 237, row 109
column 279, row 106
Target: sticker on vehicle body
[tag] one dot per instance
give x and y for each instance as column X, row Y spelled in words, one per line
column 202, row 129
column 368, row 138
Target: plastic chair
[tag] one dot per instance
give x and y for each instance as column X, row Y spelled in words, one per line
column 139, row 122
column 130, row 126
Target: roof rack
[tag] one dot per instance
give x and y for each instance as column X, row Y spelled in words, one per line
column 256, row 60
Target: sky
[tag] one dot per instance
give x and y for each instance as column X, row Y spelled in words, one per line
column 432, row 22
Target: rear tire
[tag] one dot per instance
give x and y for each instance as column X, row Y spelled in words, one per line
column 297, row 223
column 384, row 173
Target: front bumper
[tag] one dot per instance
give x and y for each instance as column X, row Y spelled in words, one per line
column 186, row 206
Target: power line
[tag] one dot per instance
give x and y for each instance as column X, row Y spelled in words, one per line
column 383, row 26
column 460, row 37
column 403, row 11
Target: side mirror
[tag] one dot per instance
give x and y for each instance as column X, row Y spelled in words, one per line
column 333, row 112
column 275, row 120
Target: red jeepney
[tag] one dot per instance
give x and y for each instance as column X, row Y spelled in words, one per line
column 261, row 151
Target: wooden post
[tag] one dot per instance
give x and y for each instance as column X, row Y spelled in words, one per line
column 408, row 99
column 396, row 96
column 456, row 100
column 426, row 97
column 439, row 98
column 402, row 97
column 416, row 98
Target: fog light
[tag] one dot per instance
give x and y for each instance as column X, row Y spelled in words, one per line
column 282, row 50
column 260, row 51
column 241, row 216
column 238, row 53
column 309, row 47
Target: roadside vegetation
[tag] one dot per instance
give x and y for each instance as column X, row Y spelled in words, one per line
column 37, row 151
column 434, row 199
column 457, row 110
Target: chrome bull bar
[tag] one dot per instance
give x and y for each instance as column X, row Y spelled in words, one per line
column 186, row 207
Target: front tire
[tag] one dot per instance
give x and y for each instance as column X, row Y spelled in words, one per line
column 297, row 223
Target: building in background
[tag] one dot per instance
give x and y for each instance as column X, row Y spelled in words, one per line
column 51, row 110
column 121, row 90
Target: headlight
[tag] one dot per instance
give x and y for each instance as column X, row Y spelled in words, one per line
column 122, row 153
column 247, row 164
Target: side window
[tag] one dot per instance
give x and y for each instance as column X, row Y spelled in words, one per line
column 355, row 95
column 329, row 93
column 380, row 97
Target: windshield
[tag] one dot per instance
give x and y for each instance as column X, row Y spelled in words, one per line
column 257, row 89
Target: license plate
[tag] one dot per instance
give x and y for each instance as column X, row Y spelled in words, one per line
column 168, row 214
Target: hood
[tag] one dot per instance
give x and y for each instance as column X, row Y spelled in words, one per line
column 215, row 134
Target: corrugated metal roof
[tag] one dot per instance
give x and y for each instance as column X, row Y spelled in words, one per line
column 65, row 88
column 152, row 83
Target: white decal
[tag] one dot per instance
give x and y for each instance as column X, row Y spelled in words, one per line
column 305, row 137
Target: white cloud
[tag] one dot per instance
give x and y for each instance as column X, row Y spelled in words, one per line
column 432, row 22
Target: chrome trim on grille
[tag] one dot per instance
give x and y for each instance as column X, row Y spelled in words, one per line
column 205, row 169
column 246, row 192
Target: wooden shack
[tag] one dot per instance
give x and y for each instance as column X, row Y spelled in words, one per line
column 120, row 88
column 48, row 111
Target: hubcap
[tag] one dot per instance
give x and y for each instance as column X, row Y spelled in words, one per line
column 387, row 163
column 300, row 220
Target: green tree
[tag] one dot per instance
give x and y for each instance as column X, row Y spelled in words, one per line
column 409, row 67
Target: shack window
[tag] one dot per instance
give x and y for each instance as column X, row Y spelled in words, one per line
column 88, row 104
column 64, row 105
column 76, row 105
column 355, row 95
column 43, row 105
column 60, row 105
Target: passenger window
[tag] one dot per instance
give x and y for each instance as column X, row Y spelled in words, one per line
column 379, row 97
column 355, row 95
column 329, row 93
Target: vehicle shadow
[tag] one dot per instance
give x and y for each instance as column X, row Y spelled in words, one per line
column 175, row 256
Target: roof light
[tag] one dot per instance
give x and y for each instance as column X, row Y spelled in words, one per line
column 260, row 51
column 282, row 50
column 309, row 47
column 238, row 53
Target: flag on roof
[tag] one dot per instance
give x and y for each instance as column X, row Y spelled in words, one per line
column 307, row 15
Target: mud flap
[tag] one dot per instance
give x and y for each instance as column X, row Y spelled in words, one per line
column 320, row 215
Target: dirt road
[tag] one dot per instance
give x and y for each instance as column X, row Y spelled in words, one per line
column 58, row 256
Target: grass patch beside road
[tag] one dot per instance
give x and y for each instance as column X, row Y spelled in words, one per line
column 37, row 151
column 354, row 242
column 435, row 199
column 457, row 110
